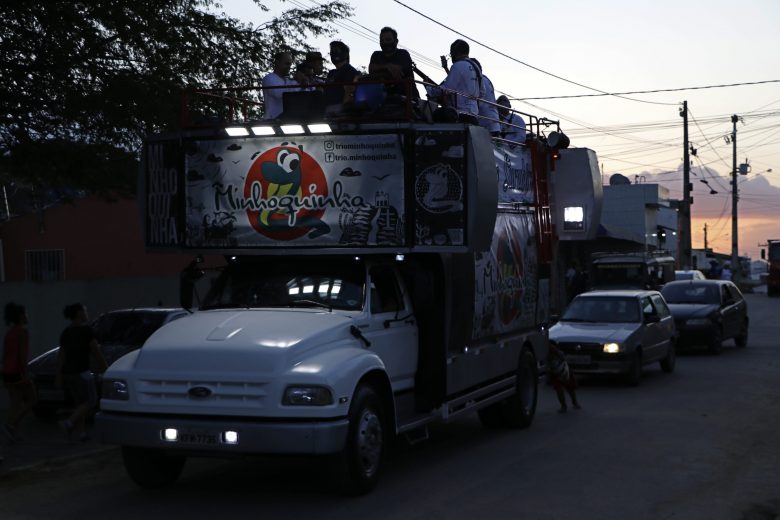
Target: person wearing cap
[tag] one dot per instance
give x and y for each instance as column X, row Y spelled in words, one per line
column 317, row 62
column 272, row 97
column 512, row 124
column 304, row 75
column 488, row 111
column 462, row 86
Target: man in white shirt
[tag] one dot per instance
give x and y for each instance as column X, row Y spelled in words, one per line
column 488, row 110
column 272, row 97
column 465, row 78
column 512, row 125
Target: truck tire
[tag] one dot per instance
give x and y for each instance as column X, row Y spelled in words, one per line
column 358, row 467
column 150, row 468
column 518, row 410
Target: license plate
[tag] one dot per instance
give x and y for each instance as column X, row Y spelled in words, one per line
column 578, row 360
column 198, row 438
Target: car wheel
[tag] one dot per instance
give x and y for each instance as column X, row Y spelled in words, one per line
column 634, row 375
column 667, row 364
column 741, row 340
column 150, row 468
column 715, row 345
column 360, row 463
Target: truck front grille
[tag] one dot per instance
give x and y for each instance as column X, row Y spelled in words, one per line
column 220, row 393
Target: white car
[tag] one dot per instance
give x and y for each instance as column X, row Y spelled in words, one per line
column 692, row 274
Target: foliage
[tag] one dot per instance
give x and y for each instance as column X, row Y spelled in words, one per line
column 84, row 81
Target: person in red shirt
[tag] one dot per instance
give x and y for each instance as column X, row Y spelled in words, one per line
column 16, row 350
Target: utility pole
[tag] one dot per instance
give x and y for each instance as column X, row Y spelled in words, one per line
column 705, row 237
column 735, row 270
column 684, row 254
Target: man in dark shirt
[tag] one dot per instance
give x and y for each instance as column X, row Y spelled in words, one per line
column 392, row 63
column 335, row 95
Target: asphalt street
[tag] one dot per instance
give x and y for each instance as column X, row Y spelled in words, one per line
column 700, row 443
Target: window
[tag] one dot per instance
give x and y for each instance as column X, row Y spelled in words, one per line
column 44, row 265
column 647, row 307
column 734, row 291
column 660, row 306
column 385, row 296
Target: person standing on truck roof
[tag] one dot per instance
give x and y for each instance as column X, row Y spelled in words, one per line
column 463, row 84
column 317, row 62
column 512, row 125
column 304, row 75
column 336, row 95
column 272, row 83
column 488, row 110
column 16, row 350
column 77, row 345
column 392, row 63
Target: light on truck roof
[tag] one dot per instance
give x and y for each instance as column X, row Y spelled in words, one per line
column 236, row 131
column 292, row 129
column 319, row 128
column 263, row 130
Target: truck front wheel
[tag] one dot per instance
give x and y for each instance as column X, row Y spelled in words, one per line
column 150, row 468
column 360, row 463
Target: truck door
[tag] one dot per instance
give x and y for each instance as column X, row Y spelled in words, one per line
column 392, row 327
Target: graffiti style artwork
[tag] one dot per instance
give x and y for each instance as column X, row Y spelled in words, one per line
column 311, row 192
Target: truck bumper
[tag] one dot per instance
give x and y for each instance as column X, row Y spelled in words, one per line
column 208, row 435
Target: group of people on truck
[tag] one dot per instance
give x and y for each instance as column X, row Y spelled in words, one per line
column 466, row 94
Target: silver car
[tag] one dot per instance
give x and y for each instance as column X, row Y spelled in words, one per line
column 616, row 332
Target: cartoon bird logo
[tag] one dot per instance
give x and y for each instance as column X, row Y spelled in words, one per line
column 287, row 175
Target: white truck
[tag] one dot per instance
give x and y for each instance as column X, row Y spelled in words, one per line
column 378, row 277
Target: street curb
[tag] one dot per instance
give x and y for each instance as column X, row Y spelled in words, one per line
column 62, row 460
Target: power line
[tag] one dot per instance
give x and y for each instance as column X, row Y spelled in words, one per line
column 654, row 91
column 500, row 53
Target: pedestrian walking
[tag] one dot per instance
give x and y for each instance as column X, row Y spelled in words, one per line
column 77, row 345
column 16, row 378
column 562, row 378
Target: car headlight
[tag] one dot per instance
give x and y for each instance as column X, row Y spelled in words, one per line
column 612, row 348
column 115, row 389
column 307, row 396
column 699, row 321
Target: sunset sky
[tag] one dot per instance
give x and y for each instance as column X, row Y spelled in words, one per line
column 616, row 46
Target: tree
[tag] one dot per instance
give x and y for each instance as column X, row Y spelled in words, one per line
column 84, row 81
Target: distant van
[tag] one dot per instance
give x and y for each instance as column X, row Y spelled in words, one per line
column 633, row 270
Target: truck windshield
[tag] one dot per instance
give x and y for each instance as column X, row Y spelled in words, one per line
column 619, row 275
column 336, row 283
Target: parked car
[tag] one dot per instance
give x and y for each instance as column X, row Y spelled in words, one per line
column 708, row 312
column 616, row 332
column 118, row 332
column 692, row 274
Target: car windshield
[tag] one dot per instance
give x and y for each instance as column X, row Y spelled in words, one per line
column 619, row 275
column 127, row 327
column 331, row 283
column 692, row 293
column 599, row 309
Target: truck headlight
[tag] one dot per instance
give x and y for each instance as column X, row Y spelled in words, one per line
column 696, row 322
column 307, row 396
column 612, row 348
column 115, row 389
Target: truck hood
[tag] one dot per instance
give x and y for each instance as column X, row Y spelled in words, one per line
column 592, row 332
column 252, row 340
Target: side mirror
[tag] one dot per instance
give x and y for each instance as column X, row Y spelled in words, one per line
column 652, row 318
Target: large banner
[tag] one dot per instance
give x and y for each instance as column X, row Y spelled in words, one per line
column 515, row 174
column 326, row 191
column 506, row 289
